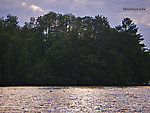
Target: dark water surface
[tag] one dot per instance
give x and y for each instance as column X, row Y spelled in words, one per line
column 74, row 99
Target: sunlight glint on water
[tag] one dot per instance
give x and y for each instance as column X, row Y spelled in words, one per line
column 74, row 99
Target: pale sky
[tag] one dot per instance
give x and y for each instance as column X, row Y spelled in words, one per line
column 112, row 9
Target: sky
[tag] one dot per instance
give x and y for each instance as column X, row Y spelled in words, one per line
column 114, row 10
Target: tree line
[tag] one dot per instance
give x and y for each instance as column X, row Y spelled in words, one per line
column 57, row 49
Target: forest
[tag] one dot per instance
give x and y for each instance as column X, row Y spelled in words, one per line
column 65, row 50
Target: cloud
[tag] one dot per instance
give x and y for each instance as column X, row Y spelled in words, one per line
column 144, row 19
column 33, row 7
column 36, row 8
column 23, row 3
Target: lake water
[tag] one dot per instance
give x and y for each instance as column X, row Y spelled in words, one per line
column 74, row 99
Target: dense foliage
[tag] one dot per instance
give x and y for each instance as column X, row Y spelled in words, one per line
column 57, row 49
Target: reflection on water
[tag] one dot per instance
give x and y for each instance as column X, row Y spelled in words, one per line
column 74, row 99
